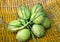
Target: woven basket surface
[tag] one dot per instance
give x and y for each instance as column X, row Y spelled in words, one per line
column 8, row 13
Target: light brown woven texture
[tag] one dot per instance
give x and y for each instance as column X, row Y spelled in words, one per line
column 8, row 13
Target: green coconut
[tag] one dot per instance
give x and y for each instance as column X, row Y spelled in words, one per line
column 37, row 7
column 14, row 24
column 38, row 14
column 12, row 27
column 38, row 30
column 46, row 23
column 23, row 12
column 38, row 18
column 23, row 35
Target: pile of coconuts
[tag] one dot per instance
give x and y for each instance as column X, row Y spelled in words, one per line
column 30, row 23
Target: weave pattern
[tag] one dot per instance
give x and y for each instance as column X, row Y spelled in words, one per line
column 8, row 13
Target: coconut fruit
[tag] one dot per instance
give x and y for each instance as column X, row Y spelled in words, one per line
column 37, row 7
column 14, row 24
column 38, row 15
column 46, row 23
column 23, row 12
column 38, row 30
column 23, row 35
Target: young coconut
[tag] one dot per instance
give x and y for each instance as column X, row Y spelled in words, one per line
column 14, row 24
column 38, row 30
column 23, row 35
column 39, row 18
column 46, row 23
column 38, row 15
column 37, row 7
column 23, row 12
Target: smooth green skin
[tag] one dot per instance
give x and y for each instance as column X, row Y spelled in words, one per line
column 39, row 17
column 37, row 7
column 40, row 13
column 11, row 27
column 46, row 23
column 38, row 30
column 23, row 35
column 15, row 23
column 37, row 14
column 39, row 20
column 23, row 12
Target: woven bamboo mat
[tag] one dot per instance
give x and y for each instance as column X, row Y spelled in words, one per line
column 8, row 13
